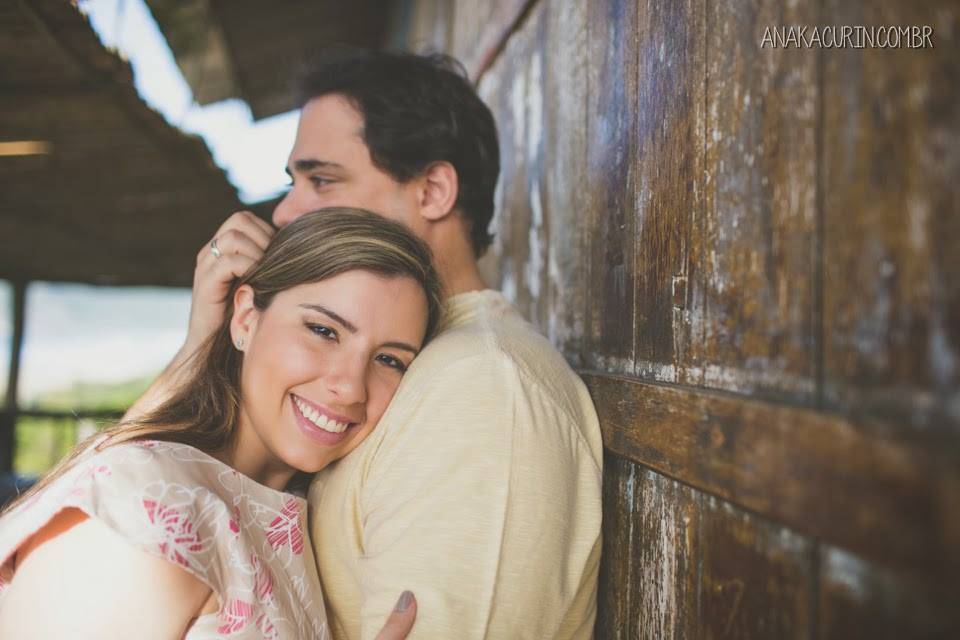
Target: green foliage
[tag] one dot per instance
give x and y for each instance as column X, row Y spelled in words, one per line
column 92, row 396
column 41, row 442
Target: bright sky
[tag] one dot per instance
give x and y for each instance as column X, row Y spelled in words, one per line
column 253, row 153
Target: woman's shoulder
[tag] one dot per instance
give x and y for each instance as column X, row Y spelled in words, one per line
column 173, row 501
column 161, row 497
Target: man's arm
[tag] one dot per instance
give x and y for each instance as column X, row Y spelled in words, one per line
column 484, row 502
column 241, row 241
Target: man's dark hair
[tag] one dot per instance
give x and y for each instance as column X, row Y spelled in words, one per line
column 417, row 110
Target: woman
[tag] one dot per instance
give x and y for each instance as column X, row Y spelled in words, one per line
column 177, row 526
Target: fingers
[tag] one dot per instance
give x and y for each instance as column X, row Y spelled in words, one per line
column 249, row 225
column 401, row 619
column 234, row 266
column 234, row 242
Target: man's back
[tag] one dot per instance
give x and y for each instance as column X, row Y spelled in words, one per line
column 479, row 490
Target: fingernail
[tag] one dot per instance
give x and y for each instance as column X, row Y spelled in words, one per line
column 406, row 598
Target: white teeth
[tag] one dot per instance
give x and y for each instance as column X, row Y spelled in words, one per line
column 319, row 419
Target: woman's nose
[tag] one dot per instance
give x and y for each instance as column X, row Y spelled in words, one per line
column 346, row 380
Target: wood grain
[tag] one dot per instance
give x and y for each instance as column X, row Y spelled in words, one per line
column 860, row 600
column 667, row 557
column 611, row 186
column 891, row 499
column 756, row 577
column 480, row 30
column 892, row 219
column 617, row 595
column 758, row 261
column 564, row 175
column 669, row 161
column 514, row 88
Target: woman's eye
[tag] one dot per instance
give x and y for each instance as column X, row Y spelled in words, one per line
column 392, row 362
column 321, row 330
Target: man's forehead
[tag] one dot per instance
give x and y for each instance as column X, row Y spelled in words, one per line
column 331, row 113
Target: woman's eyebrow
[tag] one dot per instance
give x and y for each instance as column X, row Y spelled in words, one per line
column 403, row 346
column 349, row 326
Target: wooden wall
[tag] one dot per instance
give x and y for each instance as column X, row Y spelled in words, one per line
column 753, row 258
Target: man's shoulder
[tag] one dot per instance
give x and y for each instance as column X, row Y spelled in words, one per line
column 503, row 357
column 504, row 339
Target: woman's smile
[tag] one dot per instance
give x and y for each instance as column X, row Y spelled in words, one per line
column 320, row 423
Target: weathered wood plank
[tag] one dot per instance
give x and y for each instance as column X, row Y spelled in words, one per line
column 669, row 174
column 892, row 219
column 611, row 185
column 665, row 572
column 888, row 497
column 859, row 600
column 756, row 577
column 480, row 29
column 513, row 87
column 617, row 595
column 758, row 258
column 565, row 144
column 648, row 575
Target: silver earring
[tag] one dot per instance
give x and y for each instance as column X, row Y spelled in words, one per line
column 240, row 343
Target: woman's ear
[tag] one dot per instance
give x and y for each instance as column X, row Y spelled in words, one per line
column 439, row 191
column 245, row 317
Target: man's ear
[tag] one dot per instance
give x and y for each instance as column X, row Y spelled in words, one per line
column 243, row 324
column 439, row 190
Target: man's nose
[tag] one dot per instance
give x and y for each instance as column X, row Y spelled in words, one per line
column 286, row 210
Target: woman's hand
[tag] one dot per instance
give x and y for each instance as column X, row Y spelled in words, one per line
column 400, row 621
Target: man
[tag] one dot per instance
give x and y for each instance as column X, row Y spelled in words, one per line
column 480, row 489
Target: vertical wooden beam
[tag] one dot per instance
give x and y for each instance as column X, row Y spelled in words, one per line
column 610, row 185
column 9, row 415
column 670, row 171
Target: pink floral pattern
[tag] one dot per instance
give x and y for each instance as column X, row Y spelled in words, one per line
column 234, row 523
column 178, row 503
column 179, row 539
column 286, row 529
column 266, row 627
column 262, row 580
column 234, row 617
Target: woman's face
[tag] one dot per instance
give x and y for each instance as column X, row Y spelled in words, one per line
column 320, row 365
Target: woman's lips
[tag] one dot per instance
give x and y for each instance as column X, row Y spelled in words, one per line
column 315, row 432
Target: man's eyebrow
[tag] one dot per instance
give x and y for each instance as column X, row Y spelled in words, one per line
column 349, row 326
column 308, row 164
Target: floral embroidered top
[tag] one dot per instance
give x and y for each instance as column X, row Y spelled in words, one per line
column 241, row 538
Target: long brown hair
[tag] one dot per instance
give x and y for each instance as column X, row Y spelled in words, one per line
column 203, row 412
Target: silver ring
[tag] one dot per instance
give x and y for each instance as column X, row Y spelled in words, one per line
column 214, row 249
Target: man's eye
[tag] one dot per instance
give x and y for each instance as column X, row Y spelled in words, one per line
column 319, row 181
column 321, row 330
column 392, row 362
